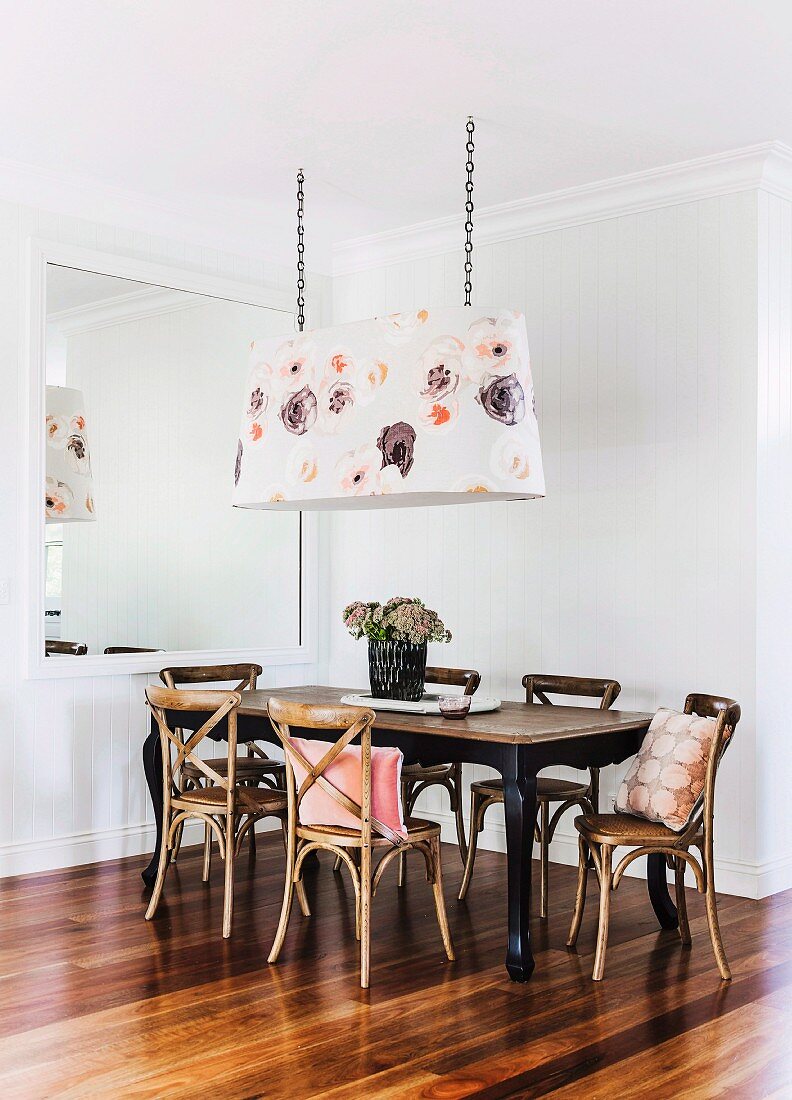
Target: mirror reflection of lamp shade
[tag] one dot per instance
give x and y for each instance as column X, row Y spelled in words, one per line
column 421, row 408
column 69, row 482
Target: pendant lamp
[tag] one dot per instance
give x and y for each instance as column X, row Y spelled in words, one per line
column 430, row 406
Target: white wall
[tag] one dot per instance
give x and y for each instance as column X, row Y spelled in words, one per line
column 640, row 562
column 73, row 787
column 168, row 564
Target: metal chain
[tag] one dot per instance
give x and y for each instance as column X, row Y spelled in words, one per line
column 469, row 211
column 300, row 254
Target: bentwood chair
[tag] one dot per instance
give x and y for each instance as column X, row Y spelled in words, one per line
column 364, row 835
column 227, row 807
column 254, row 769
column 566, row 792
column 601, row 833
column 130, row 649
column 418, row 777
column 75, row 649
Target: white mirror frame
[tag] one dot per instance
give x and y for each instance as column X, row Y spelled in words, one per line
column 37, row 253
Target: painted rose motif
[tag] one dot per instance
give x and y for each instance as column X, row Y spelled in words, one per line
column 400, row 328
column 397, row 445
column 371, row 376
column 238, row 463
column 254, row 432
column 257, row 403
column 336, row 403
column 474, row 483
column 77, row 423
column 299, row 410
column 293, row 366
column 340, row 364
column 439, row 415
column 302, row 465
column 57, row 429
column 493, row 346
column 58, row 498
column 77, row 457
column 509, row 459
column 358, row 471
column 502, row 399
column 89, row 504
column 274, row 494
column 439, row 370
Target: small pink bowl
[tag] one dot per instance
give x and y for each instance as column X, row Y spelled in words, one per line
column 454, row 706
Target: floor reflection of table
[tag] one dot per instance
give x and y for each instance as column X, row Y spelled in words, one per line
column 518, row 741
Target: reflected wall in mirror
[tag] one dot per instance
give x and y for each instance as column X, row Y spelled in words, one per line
column 165, row 562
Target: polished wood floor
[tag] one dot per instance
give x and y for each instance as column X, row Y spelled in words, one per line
column 96, row 1002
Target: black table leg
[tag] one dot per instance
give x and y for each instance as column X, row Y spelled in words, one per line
column 519, row 793
column 656, row 879
column 152, row 766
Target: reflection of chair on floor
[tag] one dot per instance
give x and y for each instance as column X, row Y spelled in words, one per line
column 363, row 834
column 225, row 806
column 568, row 792
column 131, row 649
column 253, row 770
column 75, row 649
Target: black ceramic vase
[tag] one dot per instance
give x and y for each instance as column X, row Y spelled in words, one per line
column 397, row 670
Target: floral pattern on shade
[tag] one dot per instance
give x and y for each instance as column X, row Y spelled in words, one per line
column 238, row 463
column 69, row 478
column 396, row 405
column 58, row 499
column 665, row 781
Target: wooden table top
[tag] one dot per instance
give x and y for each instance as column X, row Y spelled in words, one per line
column 512, row 724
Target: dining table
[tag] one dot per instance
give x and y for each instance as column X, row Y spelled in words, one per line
column 518, row 740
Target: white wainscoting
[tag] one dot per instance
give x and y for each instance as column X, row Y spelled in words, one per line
column 73, row 785
column 640, row 563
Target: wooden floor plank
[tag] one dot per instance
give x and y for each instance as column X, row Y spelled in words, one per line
column 94, row 1001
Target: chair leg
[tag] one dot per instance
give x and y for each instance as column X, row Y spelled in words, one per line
column 544, row 854
column 606, row 875
column 365, row 916
column 302, row 897
column 476, row 825
column 288, row 894
column 406, row 789
column 456, row 784
column 580, row 896
column 439, row 899
column 162, row 870
column 681, row 901
column 712, row 909
column 228, row 880
column 207, row 854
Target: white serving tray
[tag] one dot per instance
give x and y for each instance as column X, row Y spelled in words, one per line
column 427, row 705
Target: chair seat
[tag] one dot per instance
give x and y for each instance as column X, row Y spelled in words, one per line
column 417, row 829
column 247, row 767
column 215, row 797
column 417, row 773
column 624, row 829
column 547, row 789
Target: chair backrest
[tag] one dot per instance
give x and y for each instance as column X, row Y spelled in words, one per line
column 131, row 649
column 465, row 678
column 76, row 649
column 727, row 714
column 223, row 705
column 355, row 722
column 539, row 687
column 246, row 675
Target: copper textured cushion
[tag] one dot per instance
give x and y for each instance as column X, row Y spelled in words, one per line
column 666, row 780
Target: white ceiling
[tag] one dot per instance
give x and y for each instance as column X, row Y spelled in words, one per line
column 211, row 107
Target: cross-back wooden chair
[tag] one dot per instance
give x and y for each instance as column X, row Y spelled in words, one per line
column 566, row 792
column 254, row 769
column 601, row 833
column 227, row 808
column 75, row 649
column 355, row 722
column 418, row 777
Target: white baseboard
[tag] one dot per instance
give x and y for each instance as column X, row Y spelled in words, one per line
column 54, row 854
column 737, row 877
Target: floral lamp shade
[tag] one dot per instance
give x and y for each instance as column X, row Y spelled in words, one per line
column 428, row 407
column 69, row 484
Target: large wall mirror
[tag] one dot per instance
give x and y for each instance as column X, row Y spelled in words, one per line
column 142, row 389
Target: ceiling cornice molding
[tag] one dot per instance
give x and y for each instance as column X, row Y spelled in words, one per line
column 122, row 308
column 213, row 225
column 766, row 166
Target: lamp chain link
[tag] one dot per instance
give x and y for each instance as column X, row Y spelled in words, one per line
column 300, row 254
column 469, row 211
